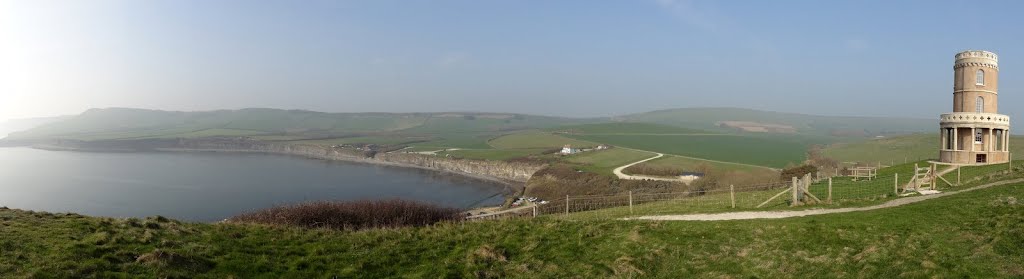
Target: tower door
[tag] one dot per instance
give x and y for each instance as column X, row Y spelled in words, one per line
column 980, row 158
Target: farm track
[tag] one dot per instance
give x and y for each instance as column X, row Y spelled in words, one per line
column 618, row 171
column 788, row 214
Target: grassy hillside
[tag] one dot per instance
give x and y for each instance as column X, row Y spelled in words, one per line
column 625, row 128
column 274, row 124
column 604, row 161
column 536, row 140
column 708, row 118
column 729, row 148
column 982, row 238
column 898, row 149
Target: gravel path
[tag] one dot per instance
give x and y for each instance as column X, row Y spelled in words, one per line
column 787, row 214
column 620, row 175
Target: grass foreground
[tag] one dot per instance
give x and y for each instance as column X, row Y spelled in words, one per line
column 973, row 234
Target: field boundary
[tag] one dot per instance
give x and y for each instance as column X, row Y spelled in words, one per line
column 748, row 215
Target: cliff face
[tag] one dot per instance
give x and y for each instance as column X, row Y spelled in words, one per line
column 511, row 171
column 520, row 172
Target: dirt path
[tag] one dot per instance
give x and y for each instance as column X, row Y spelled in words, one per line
column 620, row 175
column 787, row 214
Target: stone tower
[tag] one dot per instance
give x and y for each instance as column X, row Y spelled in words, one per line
column 974, row 133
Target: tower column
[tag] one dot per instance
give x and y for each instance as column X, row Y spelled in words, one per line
column 973, row 132
column 942, row 138
column 990, row 142
column 956, row 137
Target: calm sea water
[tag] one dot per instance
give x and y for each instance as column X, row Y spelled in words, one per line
column 212, row 186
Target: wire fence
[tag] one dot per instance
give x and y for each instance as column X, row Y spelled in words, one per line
column 888, row 183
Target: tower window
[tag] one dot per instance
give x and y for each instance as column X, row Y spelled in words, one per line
column 977, row 135
column 980, row 79
column 979, row 104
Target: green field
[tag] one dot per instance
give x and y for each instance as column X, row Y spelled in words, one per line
column 898, row 149
column 728, row 148
column 981, row 238
column 626, row 128
column 693, row 164
column 536, row 140
column 364, row 140
column 604, row 161
column 835, row 128
column 491, row 154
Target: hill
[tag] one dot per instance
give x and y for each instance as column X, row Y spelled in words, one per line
column 898, row 149
column 15, row 125
column 980, row 239
column 756, row 121
column 121, row 123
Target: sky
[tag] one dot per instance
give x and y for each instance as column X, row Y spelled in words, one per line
column 564, row 58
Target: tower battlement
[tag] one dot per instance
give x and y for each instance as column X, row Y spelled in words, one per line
column 976, row 58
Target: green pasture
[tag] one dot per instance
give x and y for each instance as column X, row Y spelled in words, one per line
column 626, row 128
column 604, row 161
column 728, row 148
column 536, row 139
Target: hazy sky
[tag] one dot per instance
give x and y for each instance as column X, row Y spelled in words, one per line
column 572, row 58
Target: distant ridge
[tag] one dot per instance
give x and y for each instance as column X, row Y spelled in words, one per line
column 841, row 126
column 120, row 123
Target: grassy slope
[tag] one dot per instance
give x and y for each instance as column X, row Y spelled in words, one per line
column 536, row 140
column 982, row 238
column 276, row 124
column 492, row 154
column 898, row 148
column 604, row 161
column 692, row 164
column 846, row 193
column 729, row 148
column 707, row 118
column 626, row 128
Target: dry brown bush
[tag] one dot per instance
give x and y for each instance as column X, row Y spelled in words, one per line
column 353, row 215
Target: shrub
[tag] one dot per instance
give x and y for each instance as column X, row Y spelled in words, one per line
column 798, row 171
column 354, row 215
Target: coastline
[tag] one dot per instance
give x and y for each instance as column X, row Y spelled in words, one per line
column 513, row 187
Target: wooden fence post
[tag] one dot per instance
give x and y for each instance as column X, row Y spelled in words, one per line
column 732, row 195
column 534, row 211
column 829, row 190
column 896, row 182
column 566, row 205
column 793, row 189
column 630, row 202
column 935, row 175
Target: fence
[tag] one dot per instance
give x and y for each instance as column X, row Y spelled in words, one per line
column 892, row 182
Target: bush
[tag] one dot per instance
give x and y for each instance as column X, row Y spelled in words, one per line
column 355, row 215
column 799, row 171
column 556, row 181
